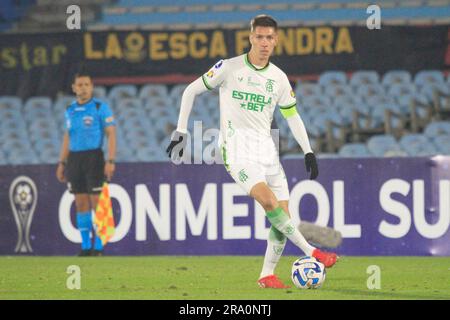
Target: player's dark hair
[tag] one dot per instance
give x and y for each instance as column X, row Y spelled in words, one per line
column 263, row 20
column 81, row 74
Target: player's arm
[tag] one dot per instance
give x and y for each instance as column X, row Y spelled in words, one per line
column 110, row 165
column 110, row 133
column 178, row 139
column 63, row 155
column 295, row 122
column 109, row 125
column 187, row 101
column 208, row 81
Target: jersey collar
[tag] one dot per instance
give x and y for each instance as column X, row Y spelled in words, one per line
column 248, row 63
column 87, row 102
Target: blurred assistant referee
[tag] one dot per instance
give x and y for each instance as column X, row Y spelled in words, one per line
column 81, row 161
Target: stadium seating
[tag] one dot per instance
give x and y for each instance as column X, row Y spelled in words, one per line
column 220, row 12
column 11, row 11
column 31, row 130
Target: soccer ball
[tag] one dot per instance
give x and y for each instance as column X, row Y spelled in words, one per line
column 308, row 273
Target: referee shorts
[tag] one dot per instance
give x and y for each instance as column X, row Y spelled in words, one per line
column 85, row 171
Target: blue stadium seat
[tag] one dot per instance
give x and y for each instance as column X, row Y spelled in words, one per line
column 100, row 92
column 429, row 89
column 303, row 90
column 8, row 102
column 37, row 103
column 384, row 146
column 413, row 143
column 442, row 144
column 317, row 102
column 378, row 100
column 352, row 150
column 338, row 90
column 425, row 77
column 378, row 113
column 150, row 91
column 332, row 77
column 346, row 112
column 365, row 91
column 177, row 91
column 396, row 77
column 61, row 103
column 365, row 77
column 437, row 128
column 121, row 92
column 397, row 90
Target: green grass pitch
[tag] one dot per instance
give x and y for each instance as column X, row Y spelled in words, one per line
column 216, row 277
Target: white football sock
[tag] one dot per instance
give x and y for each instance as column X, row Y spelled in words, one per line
column 281, row 221
column 276, row 241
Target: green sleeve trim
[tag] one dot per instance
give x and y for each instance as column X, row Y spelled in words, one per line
column 253, row 67
column 289, row 106
column 205, row 83
column 224, row 157
column 288, row 111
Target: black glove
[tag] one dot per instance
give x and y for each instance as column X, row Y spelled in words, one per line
column 178, row 143
column 311, row 165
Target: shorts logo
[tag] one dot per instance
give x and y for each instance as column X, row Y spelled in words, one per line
column 292, row 94
column 210, row 74
column 243, row 176
column 218, row 64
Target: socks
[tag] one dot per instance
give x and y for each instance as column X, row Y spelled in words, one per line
column 84, row 224
column 281, row 221
column 275, row 246
column 98, row 243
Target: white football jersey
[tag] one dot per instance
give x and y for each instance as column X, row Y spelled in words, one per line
column 248, row 97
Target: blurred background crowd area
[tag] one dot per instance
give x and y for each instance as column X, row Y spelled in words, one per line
column 363, row 113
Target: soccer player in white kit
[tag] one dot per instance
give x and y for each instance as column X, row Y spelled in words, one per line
column 250, row 89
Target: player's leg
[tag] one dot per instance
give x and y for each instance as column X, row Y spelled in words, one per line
column 98, row 245
column 327, row 258
column 276, row 241
column 76, row 183
column 276, row 180
column 84, row 222
column 95, row 179
column 279, row 219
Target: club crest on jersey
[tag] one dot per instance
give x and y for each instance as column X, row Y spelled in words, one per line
column 210, row 74
column 218, row 64
column 269, row 85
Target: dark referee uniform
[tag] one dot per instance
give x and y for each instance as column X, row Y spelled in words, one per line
column 85, row 124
